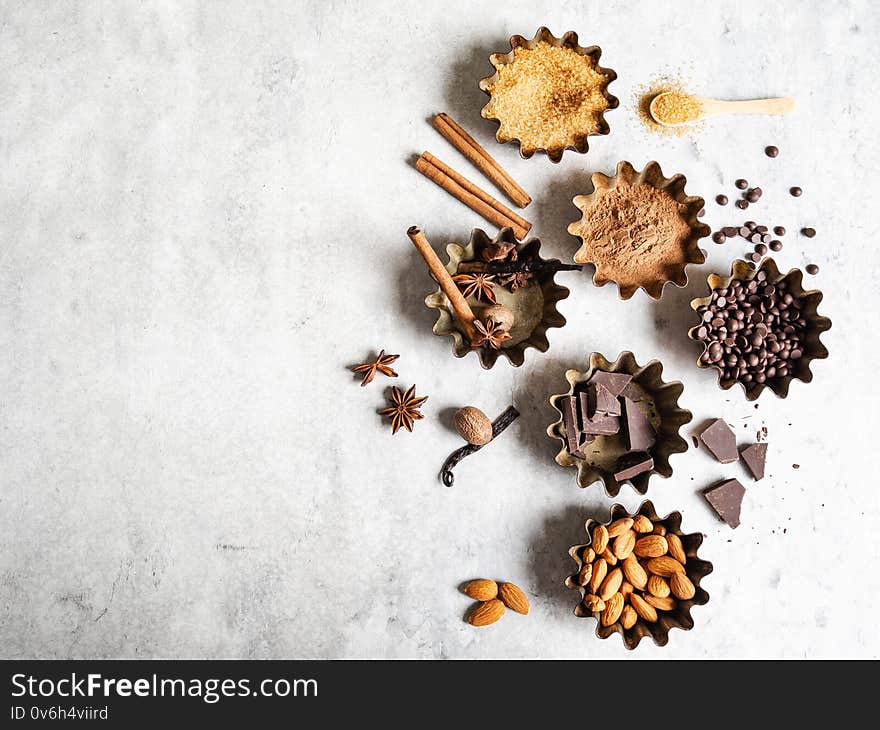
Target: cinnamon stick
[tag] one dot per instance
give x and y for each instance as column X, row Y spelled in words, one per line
column 461, row 188
column 487, row 164
column 444, row 279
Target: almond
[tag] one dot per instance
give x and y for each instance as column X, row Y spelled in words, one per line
column 486, row 613
column 626, row 588
column 481, row 589
column 664, row 566
column 643, row 608
column 611, row 584
column 584, row 575
column 594, row 603
column 642, row 524
column 635, row 573
column 588, row 555
column 618, row 527
column 600, row 539
column 513, row 598
column 659, row 530
column 600, row 570
column 676, row 549
column 628, row 617
column 658, row 587
column 663, row 604
column 613, row 609
column 682, row 587
column 609, row 556
column 624, row 544
column 651, row 546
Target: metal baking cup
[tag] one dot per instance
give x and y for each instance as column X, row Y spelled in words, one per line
column 695, row 569
column 816, row 324
column 533, row 306
column 674, row 186
column 661, row 407
column 579, row 143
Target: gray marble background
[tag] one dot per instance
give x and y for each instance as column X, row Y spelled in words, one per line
column 203, row 217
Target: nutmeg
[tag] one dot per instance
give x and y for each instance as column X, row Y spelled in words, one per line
column 500, row 315
column 473, row 425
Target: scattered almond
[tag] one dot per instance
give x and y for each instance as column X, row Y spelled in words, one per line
column 676, row 549
column 644, row 609
column 628, row 617
column 663, row 604
column 682, row 587
column 513, row 598
column 481, row 589
column 664, row 566
column 651, row 546
column 642, row 524
column 618, row 527
column 594, row 603
column 635, row 573
column 613, row 609
column 600, row 539
column 486, row 613
column 658, row 587
column 600, row 570
column 611, row 584
column 624, row 544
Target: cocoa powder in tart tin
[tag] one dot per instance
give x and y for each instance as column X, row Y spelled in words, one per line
column 658, row 401
column 639, row 229
column 695, row 569
column 577, row 98
column 533, row 305
column 793, row 357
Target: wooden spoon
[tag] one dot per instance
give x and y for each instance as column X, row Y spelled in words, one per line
column 780, row 105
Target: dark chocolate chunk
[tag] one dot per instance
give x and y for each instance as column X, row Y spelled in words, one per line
column 633, row 392
column 631, row 465
column 726, row 499
column 754, row 457
column 585, row 440
column 602, row 426
column 601, row 401
column 720, row 441
column 570, row 420
column 638, row 433
column 614, row 382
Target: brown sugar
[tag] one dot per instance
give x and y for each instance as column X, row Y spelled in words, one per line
column 676, row 107
column 548, row 97
column 634, row 234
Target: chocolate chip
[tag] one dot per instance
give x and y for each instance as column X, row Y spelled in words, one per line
column 742, row 204
column 761, row 249
column 796, row 192
column 766, row 238
column 756, row 257
column 808, row 232
column 719, row 237
column 742, row 184
column 745, row 232
column 721, row 199
column 771, row 151
column 750, row 225
column 752, row 196
column 812, row 269
column 701, row 213
column 729, row 231
column 779, row 231
column 775, row 245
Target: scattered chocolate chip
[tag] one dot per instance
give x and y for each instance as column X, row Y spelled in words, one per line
column 812, row 269
column 779, row 231
column 720, row 441
column 808, row 232
column 742, row 184
column 726, row 499
column 754, row 194
column 761, row 249
column 775, row 245
column 751, row 225
column 742, row 204
column 745, row 231
column 721, row 199
column 798, row 466
column 771, row 151
column 796, row 192
column 719, row 237
column 730, row 231
column 756, row 257
column 754, row 457
column 755, row 238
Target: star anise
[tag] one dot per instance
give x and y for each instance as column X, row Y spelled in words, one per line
column 480, row 285
column 501, row 251
column 516, row 280
column 490, row 333
column 380, row 364
column 405, row 410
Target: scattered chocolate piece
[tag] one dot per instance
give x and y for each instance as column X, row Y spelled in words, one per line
column 742, row 184
column 696, row 443
column 726, row 499
column 775, row 245
column 796, row 466
column 613, row 382
column 754, row 457
column 808, row 232
column 795, row 192
column 720, row 441
column 761, row 249
column 631, row 465
column 771, row 151
column 742, row 204
column 812, row 269
column 638, row 433
column 779, row 230
column 601, row 401
column 570, row 421
column 719, row 237
column 721, row 199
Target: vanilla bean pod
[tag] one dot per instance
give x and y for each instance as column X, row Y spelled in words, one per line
column 498, row 425
column 515, row 267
